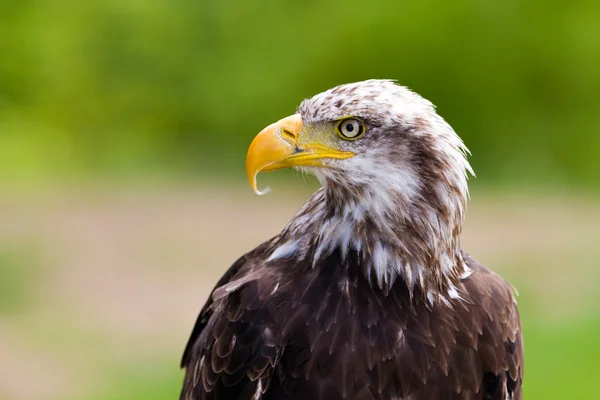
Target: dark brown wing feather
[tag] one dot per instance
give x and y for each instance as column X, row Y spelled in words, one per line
column 288, row 330
column 231, row 351
column 500, row 344
column 207, row 311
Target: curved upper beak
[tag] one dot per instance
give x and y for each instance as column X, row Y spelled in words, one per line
column 277, row 147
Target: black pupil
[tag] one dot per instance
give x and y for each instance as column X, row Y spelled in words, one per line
column 350, row 127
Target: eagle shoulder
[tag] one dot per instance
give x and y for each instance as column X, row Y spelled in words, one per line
column 491, row 307
column 232, row 348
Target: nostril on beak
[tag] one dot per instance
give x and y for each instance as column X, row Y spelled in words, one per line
column 289, row 136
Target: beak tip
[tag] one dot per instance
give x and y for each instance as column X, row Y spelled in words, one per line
column 262, row 192
column 254, row 186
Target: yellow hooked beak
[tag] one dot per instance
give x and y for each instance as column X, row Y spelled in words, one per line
column 277, row 147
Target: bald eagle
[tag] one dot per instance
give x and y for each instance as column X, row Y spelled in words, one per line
column 365, row 293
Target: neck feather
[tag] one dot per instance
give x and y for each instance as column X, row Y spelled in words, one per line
column 396, row 236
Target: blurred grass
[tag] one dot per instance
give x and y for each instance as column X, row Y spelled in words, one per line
column 17, row 266
column 561, row 361
column 104, row 283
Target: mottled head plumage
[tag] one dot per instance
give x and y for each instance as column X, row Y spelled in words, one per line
column 379, row 100
column 399, row 202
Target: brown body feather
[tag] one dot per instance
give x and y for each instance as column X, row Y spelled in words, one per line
column 289, row 331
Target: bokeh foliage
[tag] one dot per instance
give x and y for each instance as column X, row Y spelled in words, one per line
column 144, row 86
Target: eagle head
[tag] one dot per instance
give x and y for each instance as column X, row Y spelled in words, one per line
column 394, row 177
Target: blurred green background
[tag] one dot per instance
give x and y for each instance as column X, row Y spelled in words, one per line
column 123, row 131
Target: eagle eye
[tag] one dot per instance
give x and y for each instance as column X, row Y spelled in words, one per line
column 350, row 129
